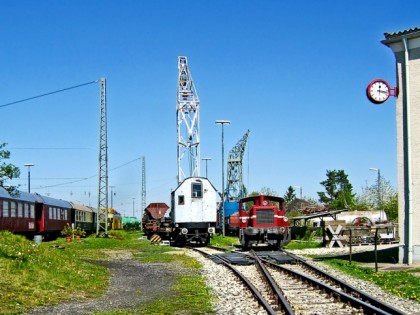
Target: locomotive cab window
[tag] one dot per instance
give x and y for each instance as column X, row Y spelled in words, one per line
column 197, row 190
column 181, row 200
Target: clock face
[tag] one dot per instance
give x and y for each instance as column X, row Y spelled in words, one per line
column 378, row 91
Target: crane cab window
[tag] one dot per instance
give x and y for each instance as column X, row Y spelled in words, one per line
column 197, row 190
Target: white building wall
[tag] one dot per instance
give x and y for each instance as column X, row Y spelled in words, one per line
column 409, row 97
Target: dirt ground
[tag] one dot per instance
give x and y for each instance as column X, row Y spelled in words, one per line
column 132, row 283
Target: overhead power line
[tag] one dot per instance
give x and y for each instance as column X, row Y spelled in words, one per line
column 14, row 148
column 46, row 94
column 86, row 178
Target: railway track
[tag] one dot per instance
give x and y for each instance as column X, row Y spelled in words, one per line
column 296, row 287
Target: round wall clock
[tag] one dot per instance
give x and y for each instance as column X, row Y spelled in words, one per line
column 378, row 91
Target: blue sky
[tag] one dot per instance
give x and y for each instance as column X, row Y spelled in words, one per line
column 293, row 72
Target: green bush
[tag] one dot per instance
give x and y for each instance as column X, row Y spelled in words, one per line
column 117, row 234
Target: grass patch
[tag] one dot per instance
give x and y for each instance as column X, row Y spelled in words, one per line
column 227, row 241
column 49, row 275
column 191, row 296
column 45, row 274
column 399, row 283
column 303, row 245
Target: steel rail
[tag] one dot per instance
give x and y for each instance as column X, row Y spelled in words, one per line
column 348, row 288
column 339, row 295
column 261, row 300
column 280, row 298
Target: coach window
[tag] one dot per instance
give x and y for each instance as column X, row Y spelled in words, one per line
column 12, row 209
column 26, row 210
column 197, row 190
column 5, row 209
column 20, row 209
column 32, row 213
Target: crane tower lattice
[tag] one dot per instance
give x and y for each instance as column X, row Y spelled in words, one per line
column 187, row 123
column 235, row 188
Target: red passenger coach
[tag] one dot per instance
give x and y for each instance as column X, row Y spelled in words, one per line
column 32, row 214
column 17, row 214
column 52, row 215
column 262, row 220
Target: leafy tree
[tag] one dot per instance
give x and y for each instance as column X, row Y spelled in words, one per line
column 7, row 171
column 376, row 195
column 268, row 191
column 338, row 190
column 290, row 195
column 385, row 198
column 391, row 207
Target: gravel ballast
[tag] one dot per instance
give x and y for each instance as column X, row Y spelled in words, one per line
column 134, row 283
column 231, row 299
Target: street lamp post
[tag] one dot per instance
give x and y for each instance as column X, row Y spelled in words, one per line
column 223, row 122
column 29, row 175
column 206, row 159
column 112, row 198
column 378, row 185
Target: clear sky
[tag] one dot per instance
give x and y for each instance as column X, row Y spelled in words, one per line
column 293, row 72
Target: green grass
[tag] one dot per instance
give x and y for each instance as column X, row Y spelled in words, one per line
column 227, row 241
column 50, row 275
column 399, row 283
column 303, row 245
column 190, row 296
column 45, row 274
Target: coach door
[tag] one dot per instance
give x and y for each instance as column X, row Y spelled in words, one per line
column 39, row 218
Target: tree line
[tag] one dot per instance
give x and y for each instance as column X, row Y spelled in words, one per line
column 338, row 194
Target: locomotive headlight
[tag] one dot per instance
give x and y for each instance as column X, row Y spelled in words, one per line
column 211, row 230
column 184, row 231
column 176, row 225
column 285, row 219
column 282, row 229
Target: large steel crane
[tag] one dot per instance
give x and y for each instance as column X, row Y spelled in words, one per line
column 235, row 187
column 188, row 130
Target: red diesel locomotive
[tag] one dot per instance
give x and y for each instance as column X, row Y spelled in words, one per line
column 262, row 220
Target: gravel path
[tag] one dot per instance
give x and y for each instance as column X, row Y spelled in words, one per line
column 132, row 283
